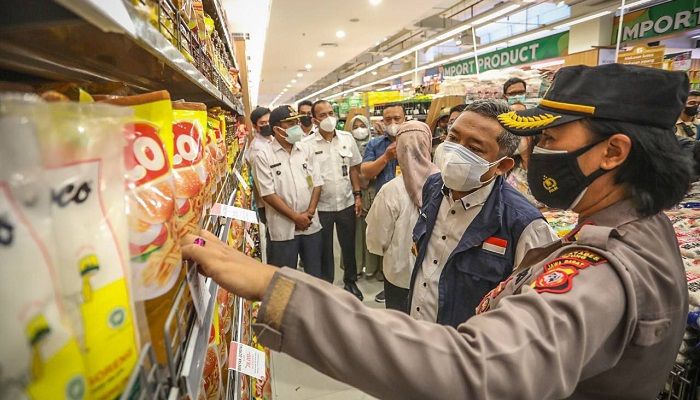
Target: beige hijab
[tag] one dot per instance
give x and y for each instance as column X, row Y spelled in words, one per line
column 413, row 145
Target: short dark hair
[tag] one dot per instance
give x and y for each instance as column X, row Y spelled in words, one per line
column 513, row 81
column 492, row 108
column 258, row 113
column 394, row 105
column 694, row 93
column 304, row 103
column 656, row 173
column 458, row 108
column 317, row 102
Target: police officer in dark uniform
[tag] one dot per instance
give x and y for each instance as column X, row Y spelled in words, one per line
column 597, row 315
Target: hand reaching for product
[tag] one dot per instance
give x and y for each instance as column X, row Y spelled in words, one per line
column 231, row 269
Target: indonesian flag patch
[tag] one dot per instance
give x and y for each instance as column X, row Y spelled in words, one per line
column 495, row 245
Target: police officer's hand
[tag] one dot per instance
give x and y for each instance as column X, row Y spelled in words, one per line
column 302, row 221
column 391, row 152
column 233, row 270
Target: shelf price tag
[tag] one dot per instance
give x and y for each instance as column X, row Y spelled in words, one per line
column 240, row 214
column 246, row 360
column 241, row 180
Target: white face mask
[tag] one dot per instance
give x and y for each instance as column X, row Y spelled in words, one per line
column 328, row 124
column 438, row 155
column 461, row 169
column 360, row 133
column 392, row 130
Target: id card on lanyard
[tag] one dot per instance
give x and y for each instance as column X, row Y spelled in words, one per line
column 309, row 178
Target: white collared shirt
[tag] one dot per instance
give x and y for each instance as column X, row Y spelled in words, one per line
column 258, row 142
column 453, row 219
column 335, row 158
column 292, row 176
column 390, row 223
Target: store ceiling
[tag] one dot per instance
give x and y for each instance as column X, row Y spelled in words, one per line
column 298, row 29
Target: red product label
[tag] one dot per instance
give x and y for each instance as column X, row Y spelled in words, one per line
column 188, row 144
column 145, row 155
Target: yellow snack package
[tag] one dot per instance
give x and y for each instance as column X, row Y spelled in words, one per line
column 154, row 243
column 189, row 166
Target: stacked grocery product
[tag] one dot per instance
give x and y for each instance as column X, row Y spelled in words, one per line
column 186, row 25
column 94, row 200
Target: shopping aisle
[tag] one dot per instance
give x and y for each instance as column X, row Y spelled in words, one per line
column 294, row 380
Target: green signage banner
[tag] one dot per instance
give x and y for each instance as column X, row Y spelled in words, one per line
column 536, row 50
column 669, row 17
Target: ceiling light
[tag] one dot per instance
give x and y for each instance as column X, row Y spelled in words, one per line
column 458, row 42
column 307, row 67
column 385, row 60
column 384, row 39
column 374, row 72
column 284, row 90
column 288, row 86
column 695, row 37
column 294, row 81
column 529, row 1
column 561, row 4
column 376, row 43
column 580, row 20
column 300, row 74
column 635, row 4
column 340, row 34
column 375, row 2
column 320, row 53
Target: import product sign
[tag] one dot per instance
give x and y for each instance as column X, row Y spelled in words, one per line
column 536, row 50
column 673, row 16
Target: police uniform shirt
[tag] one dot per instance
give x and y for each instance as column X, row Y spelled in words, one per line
column 454, row 217
column 335, row 158
column 686, row 129
column 599, row 317
column 292, row 176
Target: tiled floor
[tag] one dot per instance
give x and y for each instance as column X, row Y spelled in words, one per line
column 293, row 380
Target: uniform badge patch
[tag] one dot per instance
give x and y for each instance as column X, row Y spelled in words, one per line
column 557, row 275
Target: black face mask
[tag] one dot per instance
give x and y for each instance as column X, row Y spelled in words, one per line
column 691, row 111
column 556, row 180
column 305, row 120
column 266, row 130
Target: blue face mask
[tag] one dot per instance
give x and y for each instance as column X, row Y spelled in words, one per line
column 515, row 99
column 294, row 134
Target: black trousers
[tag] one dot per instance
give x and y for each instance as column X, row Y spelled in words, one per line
column 287, row 253
column 396, row 297
column 344, row 220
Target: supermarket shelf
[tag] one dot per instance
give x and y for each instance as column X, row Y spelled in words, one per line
column 213, row 8
column 193, row 362
column 145, row 381
column 101, row 42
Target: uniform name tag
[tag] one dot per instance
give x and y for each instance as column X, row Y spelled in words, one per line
column 495, row 245
column 275, row 165
column 319, row 152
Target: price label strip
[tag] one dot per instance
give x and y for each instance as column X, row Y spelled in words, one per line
column 246, row 360
column 240, row 214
